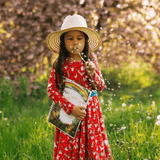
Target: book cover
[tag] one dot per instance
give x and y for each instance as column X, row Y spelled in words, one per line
column 77, row 95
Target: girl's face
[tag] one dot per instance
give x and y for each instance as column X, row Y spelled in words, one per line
column 74, row 41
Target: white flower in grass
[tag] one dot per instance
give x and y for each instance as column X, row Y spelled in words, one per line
column 110, row 125
column 158, row 123
column 5, row 119
column 148, row 117
column 158, row 117
column 102, row 100
column 123, row 104
column 0, row 112
column 122, row 128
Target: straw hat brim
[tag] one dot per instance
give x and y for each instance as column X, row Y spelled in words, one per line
column 53, row 39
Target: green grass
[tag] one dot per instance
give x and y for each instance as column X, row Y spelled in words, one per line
column 130, row 117
column 131, row 124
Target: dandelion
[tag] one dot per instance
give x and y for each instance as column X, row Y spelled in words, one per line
column 102, row 100
column 122, row 128
column 123, row 105
column 158, row 123
column 5, row 119
column 110, row 125
column 158, row 117
column 148, row 117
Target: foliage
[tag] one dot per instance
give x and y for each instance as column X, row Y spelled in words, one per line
column 128, row 28
column 135, row 76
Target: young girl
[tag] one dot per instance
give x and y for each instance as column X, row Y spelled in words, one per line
column 75, row 43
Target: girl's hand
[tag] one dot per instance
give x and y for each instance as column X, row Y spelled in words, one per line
column 90, row 68
column 79, row 112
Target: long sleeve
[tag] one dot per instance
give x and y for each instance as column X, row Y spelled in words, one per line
column 54, row 94
column 97, row 78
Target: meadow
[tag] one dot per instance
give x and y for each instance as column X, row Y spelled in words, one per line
column 130, row 105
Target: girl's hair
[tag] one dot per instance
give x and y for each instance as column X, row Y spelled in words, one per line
column 64, row 54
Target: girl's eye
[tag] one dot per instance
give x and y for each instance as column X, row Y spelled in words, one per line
column 70, row 39
column 79, row 38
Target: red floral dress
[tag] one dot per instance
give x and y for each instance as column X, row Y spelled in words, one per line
column 91, row 142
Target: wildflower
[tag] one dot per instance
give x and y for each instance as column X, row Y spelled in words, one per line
column 148, row 117
column 5, row 119
column 111, row 125
column 123, row 105
column 122, row 128
column 158, row 123
column 0, row 112
column 102, row 100
column 158, row 117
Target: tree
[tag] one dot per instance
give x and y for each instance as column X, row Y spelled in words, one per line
column 128, row 29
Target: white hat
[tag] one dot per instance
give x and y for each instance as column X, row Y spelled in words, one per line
column 75, row 22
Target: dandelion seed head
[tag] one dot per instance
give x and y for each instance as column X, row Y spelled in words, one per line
column 123, row 104
column 110, row 125
column 148, row 117
column 158, row 117
column 122, row 128
column 158, row 123
column 5, row 119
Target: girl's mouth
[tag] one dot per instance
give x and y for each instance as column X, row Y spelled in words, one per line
column 75, row 48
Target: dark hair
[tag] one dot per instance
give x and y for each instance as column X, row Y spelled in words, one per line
column 63, row 54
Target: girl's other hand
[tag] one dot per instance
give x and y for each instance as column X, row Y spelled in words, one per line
column 90, row 67
column 79, row 112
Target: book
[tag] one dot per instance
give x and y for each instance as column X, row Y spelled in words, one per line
column 77, row 95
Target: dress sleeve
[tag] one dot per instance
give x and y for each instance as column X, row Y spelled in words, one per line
column 55, row 95
column 97, row 78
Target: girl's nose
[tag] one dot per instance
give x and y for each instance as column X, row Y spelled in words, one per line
column 75, row 41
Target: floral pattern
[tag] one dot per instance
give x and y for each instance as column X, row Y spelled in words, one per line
column 91, row 141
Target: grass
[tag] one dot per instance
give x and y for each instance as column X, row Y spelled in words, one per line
column 131, row 124
column 129, row 114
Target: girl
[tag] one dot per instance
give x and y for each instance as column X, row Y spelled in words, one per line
column 75, row 43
